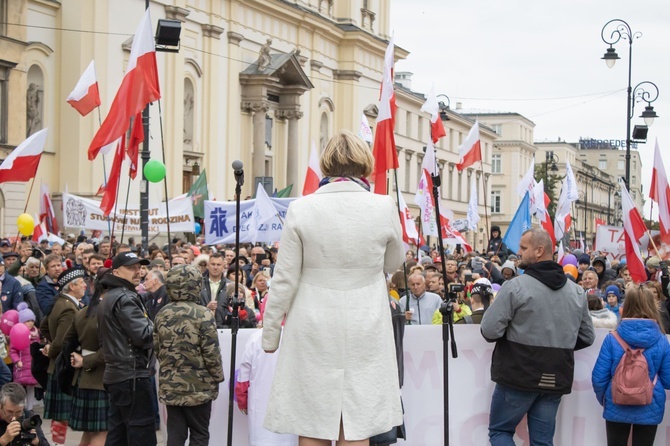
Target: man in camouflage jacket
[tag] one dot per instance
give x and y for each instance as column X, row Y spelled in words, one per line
column 189, row 358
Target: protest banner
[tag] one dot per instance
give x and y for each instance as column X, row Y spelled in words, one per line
column 84, row 213
column 610, row 241
column 220, row 218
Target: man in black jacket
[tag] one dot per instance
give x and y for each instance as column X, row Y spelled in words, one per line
column 12, row 401
column 126, row 335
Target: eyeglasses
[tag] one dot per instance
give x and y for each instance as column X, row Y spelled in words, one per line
column 13, row 413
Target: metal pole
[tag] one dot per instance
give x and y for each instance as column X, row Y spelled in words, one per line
column 144, row 184
column 629, row 111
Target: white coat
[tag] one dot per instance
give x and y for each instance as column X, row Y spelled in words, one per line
column 338, row 355
column 257, row 368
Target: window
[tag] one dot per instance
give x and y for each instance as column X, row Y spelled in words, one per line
column 602, row 164
column 496, row 163
column 497, row 128
column 408, row 167
column 268, row 132
column 323, row 130
column 496, row 202
column 3, row 17
column 420, row 128
column 408, row 125
column 189, row 106
column 4, row 81
column 620, row 165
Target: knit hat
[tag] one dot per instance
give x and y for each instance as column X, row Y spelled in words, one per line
column 613, row 289
column 584, row 259
column 425, row 260
column 653, row 262
column 25, row 313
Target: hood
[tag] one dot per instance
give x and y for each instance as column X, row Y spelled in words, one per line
column 183, row 283
column 509, row 264
column 640, row 333
column 495, row 228
column 601, row 260
column 602, row 314
column 549, row 273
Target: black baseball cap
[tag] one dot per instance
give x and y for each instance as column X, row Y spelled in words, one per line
column 127, row 259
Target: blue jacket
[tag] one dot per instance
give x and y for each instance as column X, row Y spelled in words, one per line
column 11, row 295
column 638, row 333
column 46, row 293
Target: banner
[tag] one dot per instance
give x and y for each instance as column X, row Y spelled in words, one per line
column 220, row 218
column 579, row 421
column 610, row 241
column 84, row 213
column 648, row 246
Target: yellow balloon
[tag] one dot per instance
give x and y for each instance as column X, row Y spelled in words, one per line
column 25, row 224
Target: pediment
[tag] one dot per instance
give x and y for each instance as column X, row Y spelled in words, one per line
column 285, row 67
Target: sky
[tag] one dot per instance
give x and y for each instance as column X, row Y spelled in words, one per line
column 542, row 59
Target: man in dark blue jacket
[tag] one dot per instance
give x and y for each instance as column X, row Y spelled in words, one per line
column 47, row 290
column 11, row 294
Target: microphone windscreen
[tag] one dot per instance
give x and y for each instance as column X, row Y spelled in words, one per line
column 238, row 165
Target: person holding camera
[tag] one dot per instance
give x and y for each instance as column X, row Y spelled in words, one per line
column 16, row 423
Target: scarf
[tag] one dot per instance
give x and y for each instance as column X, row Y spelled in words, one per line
column 360, row 181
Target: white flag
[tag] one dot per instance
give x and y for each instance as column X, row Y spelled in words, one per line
column 264, row 210
column 473, row 205
column 365, row 132
column 538, row 194
column 527, row 184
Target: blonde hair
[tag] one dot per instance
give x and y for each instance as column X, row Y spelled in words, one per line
column 346, row 155
column 639, row 302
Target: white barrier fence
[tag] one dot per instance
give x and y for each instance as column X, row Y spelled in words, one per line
column 579, row 422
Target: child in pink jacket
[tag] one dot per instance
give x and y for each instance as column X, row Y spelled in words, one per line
column 22, row 359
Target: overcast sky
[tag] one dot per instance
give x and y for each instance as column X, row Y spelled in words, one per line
column 541, row 58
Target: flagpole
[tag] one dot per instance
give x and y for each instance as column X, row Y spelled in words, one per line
column 486, row 208
column 116, row 203
column 123, row 228
column 167, row 206
column 401, row 215
column 104, row 174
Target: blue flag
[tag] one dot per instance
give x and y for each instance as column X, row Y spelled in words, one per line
column 520, row 223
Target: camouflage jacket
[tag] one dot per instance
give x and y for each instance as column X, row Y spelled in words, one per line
column 187, row 345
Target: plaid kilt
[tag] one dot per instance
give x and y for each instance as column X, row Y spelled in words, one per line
column 57, row 405
column 89, row 410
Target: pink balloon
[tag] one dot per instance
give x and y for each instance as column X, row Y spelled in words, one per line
column 9, row 319
column 569, row 259
column 19, row 336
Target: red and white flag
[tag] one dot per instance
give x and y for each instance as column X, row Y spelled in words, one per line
column 136, row 137
column 47, row 213
column 432, row 107
column 569, row 193
column 633, row 228
column 409, row 232
column 109, row 198
column 138, row 88
column 22, row 163
column 527, row 184
column 40, row 232
column 545, row 219
column 313, row 175
column 561, row 253
column 660, row 193
column 452, row 235
column 384, row 150
column 85, row 96
column 424, row 192
column 471, row 150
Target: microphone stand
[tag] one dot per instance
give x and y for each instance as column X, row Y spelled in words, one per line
column 446, row 309
column 235, row 321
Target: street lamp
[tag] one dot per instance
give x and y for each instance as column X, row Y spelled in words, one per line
column 549, row 158
column 444, row 107
column 622, row 31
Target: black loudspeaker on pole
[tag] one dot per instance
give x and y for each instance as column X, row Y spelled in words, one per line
column 238, row 169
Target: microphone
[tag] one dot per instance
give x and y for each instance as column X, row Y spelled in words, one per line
column 238, row 168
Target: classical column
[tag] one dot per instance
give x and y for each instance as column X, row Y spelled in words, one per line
column 292, row 153
column 258, row 157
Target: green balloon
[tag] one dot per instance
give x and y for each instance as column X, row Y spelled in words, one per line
column 154, row 171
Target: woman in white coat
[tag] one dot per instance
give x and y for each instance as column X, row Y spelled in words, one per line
column 336, row 376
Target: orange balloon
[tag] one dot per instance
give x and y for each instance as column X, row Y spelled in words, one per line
column 572, row 270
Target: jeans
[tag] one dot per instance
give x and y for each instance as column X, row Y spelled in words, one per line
column 5, row 374
column 188, row 422
column 508, row 407
column 617, row 434
column 131, row 420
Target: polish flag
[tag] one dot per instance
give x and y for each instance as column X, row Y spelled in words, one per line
column 633, row 228
column 40, row 232
column 545, row 219
column 136, row 137
column 47, row 213
column 660, row 193
column 384, row 150
column 109, row 198
column 453, row 235
column 22, row 163
column 85, row 96
column 599, row 222
column 471, row 150
column 432, row 107
column 314, row 175
column 561, row 253
column 138, row 88
column 409, row 232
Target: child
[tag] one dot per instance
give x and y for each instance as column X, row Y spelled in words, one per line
column 613, row 296
column 639, row 328
column 22, row 359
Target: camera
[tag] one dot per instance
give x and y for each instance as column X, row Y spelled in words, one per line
column 25, row 436
column 455, row 288
column 37, row 254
